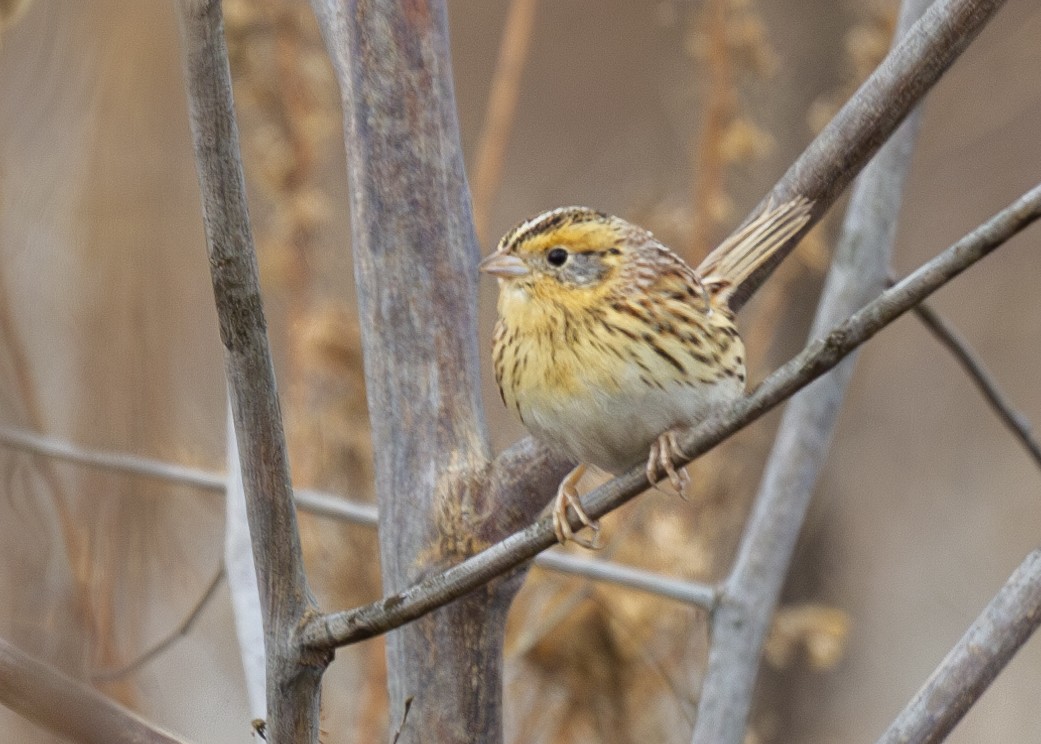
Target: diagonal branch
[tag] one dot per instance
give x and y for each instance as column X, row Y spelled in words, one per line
column 911, row 68
column 181, row 631
column 68, row 707
column 947, row 335
column 1006, row 623
column 750, row 594
column 293, row 678
column 342, row 628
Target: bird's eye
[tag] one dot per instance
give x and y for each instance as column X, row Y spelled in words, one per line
column 557, row 257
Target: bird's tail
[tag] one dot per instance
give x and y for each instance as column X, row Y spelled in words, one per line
column 726, row 268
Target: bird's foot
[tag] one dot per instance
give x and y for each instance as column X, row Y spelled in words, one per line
column 567, row 495
column 664, row 450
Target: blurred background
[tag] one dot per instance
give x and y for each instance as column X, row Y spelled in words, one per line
column 676, row 115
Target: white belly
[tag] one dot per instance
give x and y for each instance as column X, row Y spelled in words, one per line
column 614, row 429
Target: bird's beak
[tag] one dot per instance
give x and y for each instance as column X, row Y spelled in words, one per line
column 503, row 266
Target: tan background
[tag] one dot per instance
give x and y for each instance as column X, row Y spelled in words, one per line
column 109, row 339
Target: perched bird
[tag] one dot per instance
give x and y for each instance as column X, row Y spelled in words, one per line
column 607, row 343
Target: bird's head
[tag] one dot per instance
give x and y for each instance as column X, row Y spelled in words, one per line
column 570, row 255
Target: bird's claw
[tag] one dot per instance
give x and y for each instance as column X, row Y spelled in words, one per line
column 567, row 495
column 663, row 451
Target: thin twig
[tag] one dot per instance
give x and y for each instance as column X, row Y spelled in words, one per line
column 182, row 630
column 338, row 507
column 969, row 361
column 120, row 462
column 342, row 628
column 317, row 502
column 689, row 592
column 1006, row 623
column 68, row 707
column 502, row 105
column 752, row 590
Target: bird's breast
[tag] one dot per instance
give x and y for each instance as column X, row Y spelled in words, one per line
column 603, row 396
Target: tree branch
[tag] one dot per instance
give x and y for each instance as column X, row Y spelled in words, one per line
column 339, row 507
column 415, row 257
column 342, row 628
column 316, row 502
column 1006, row 623
column 947, row 335
column 119, row 462
column 181, row 631
column 858, row 274
column 293, row 677
column 68, row 707
column 867, row 120
column 689, row 592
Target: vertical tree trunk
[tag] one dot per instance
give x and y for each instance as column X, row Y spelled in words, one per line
column 415, row 256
